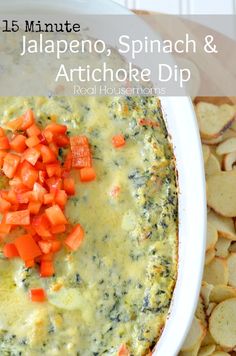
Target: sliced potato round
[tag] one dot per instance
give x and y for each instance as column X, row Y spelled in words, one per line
column 232, row 269
column 214, row 120
column 212, row 236
column 206, row 350
column 206, row 290
column 216, row 272
column 224, row 226
column 221, row 193
column 212, row 166
column 222, row 292
column 220, row 353
column 226, row 146
column 209, row 256
column 195, row 335
column 229, row 161
column 222, row 247
column 206, row 153
column 222, row 323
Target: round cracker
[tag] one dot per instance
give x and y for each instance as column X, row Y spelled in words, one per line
column 195, row 335
column 212, row 166
column 222, row 323
column 226, row 146
column 216, row 272
column 232, row 247
column 222, row 247
column 207, row 350
column 222, row 292
column 200, row 312
column 221, row 193
column 209, row 256
column 214, row 120
column 224, row 226
column 206, row 153
column 206, row 290
column 232, row 269
column 212, row 236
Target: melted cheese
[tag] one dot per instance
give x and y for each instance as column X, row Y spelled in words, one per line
column 118, row 286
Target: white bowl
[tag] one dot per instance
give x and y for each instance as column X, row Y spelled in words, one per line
column 182, row 126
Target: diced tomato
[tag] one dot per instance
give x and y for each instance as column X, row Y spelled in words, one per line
column 81, row 157
column 123, row 351
column 48, row 199
column 58, row 229
column 45, row 246
column 27, row 247
column 4, row 228
column 54, row 184
column 18, row 143
column 69, row 186
column 56, row 246
column 4, row 143
column 68, row 162
column 61, row 140
column 23, row 198
column 10, row 164
column 2, row 156
column 61, row 198
column 56, row 128
column 34, row 207
column 87, row 174
column 21, row 217
column 29, row 174
column 31, row 231
column 54, row 169
column 42, row 177
column 75, row 238
column 10, row 196
column 33, row 130
column 31, row 155
column 2, row 133
column 47, row 257
column 48, row 135
column 32, row 141
column 76, row 141
column 118, row 141
column 54, row 148
column 38, row 295
column 4, row 205
column 42, row 139
column 40, row 166
column 28, row 120
column 55, row 215
column 42, row 226
column 29, row 263
column 38, row 192
column 10, row 251
column 46, row 269
column 48, row 156
column 15, row 124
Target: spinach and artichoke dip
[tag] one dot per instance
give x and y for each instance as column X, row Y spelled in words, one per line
column 117, row 287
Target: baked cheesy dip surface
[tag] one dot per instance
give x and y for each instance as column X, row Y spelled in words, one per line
column 111, row 296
